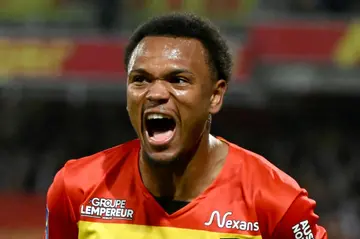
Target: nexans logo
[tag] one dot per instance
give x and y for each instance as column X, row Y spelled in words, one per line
column 225, row 221
column 107, row 209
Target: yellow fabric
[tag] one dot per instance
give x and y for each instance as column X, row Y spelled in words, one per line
column 96, row 230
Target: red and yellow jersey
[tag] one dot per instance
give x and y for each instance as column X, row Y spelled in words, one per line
column 102, row 196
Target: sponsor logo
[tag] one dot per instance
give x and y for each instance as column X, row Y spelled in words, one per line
column 302, row 230
column 226, row 222
column 107, row 209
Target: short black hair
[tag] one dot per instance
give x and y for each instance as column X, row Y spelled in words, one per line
column 187, row 25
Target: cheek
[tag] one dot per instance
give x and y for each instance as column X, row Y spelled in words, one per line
column 193, row 95
column 134, row 107
column 194, row 108
column 134, row 96
column 196, row 100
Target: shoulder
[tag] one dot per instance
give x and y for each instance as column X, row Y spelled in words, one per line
column 77, row 178
column 81, row 175
column 265, row 174
column 272, row 191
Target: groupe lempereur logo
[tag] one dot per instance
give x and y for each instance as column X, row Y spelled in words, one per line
column 107, row 209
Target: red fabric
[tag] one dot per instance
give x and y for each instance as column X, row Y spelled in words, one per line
column 248, row 191
column 300, row 221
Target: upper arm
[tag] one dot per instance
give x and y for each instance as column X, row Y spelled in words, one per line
column 60, row 222
column 300, row 221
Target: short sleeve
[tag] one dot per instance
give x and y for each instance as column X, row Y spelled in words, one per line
column 274, row 196
column 60, row 221
column 300, row 221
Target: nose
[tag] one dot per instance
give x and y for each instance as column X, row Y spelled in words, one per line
column 158, row 92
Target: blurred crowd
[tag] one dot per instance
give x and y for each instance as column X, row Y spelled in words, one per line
column 119, row 15
column 333, row 6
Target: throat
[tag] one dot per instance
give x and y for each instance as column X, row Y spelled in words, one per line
column 188, row 182
column 169, row 205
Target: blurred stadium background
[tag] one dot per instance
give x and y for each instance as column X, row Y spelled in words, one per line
column 294, row 97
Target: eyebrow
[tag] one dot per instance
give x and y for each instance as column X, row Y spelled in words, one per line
column 167, row 74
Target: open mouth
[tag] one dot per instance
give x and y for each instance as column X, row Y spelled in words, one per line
column 160, row 128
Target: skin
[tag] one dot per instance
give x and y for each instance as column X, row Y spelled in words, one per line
column 172, row 75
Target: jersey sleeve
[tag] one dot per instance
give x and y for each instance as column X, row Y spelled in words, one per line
column 60, row 220
column 300, row 221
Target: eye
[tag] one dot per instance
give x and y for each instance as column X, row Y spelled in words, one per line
column 178, row 80
column 139, row 79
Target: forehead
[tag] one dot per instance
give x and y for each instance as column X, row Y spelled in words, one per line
column 162, row 52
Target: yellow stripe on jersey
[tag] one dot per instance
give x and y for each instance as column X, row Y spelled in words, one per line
column 96, row 230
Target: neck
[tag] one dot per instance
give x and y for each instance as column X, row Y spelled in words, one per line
column 187, row 178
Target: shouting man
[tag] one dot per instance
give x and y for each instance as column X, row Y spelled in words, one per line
column 177, row 181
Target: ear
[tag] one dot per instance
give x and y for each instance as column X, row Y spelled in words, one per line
column 217, row 98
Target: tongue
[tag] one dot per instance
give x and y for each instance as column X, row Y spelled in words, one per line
column 162, row 136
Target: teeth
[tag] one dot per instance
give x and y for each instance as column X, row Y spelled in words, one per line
column 157, row 116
